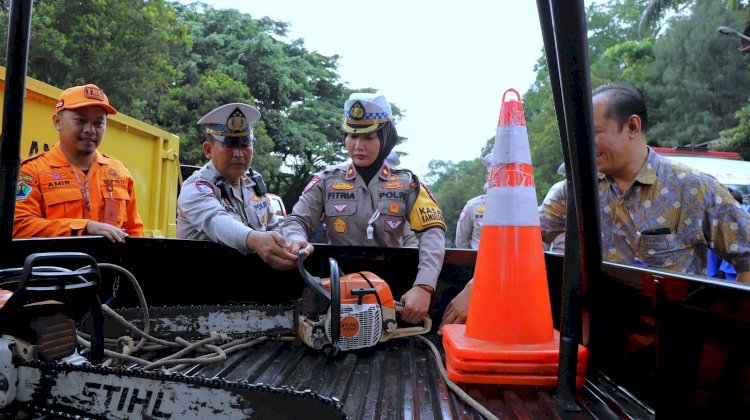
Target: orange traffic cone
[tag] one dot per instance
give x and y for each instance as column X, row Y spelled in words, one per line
column 508, row 337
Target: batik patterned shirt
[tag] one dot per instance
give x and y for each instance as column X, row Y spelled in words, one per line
column 668, row 218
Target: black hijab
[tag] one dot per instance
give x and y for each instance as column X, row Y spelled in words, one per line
column 388, row 138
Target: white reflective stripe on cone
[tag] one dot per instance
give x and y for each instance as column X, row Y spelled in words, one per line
column 511, row 145
column 511, row 206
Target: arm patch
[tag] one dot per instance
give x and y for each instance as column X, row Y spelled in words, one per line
column 425, row 213
column 312, row 183
column 204, row 187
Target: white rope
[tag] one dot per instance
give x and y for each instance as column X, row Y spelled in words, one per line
column 211, row 353
column 455, row 388
column 214, row 353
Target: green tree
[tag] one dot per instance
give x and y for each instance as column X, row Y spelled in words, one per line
column 738, row 137
column 453, row 184
column 700, row 81
column 122, row 46
column 297, row 91
column 182, row 106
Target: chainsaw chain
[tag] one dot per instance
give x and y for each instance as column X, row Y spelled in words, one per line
column 138, row 372
column 263, row 306
column 188, row 308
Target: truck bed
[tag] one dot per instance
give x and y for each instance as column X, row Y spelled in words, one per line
column 396, row 379
column 651, row 331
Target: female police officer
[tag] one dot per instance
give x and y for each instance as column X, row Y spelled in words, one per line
column 225, row 201
column 366, row 202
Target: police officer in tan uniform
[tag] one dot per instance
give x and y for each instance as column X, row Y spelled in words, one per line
column 225, row 201
column 410, row 238
column 469, row 226
column 366, row 202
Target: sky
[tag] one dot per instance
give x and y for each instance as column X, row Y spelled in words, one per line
column 445, row 64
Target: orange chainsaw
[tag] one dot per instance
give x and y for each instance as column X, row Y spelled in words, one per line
column 347, row 312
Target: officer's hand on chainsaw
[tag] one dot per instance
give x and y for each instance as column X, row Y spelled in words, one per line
column 272, row 248
column 416, row 303
column 456, row 311
column 296, row 245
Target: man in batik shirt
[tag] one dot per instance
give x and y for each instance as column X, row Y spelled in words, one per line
column 654, row 212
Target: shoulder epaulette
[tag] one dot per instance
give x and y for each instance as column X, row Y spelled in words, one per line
column 414, row 177
column 36, row 156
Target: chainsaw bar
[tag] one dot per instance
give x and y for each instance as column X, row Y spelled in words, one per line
column 198, row 322
column 83, row 391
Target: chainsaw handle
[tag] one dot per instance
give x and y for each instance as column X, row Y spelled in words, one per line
column 409, row 331
column 335, row 305
column 405, row 332
column 313, row 282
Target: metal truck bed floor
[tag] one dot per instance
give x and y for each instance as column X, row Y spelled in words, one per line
column 393, row 380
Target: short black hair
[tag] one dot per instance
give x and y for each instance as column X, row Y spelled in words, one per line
column 623, row 100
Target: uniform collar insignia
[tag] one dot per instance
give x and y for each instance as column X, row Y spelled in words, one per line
column 350, row 172
column 385, row 172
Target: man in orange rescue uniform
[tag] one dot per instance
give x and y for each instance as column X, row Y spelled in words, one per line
column 74, row 189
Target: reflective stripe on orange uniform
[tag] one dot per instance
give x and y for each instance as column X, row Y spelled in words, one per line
column 50, row 201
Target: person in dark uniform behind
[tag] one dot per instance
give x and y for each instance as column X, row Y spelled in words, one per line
column 366, row 202
column 225, row 201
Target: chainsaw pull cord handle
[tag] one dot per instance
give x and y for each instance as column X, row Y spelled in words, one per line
column 312, row 282
column 335, row 305
column 377, row 296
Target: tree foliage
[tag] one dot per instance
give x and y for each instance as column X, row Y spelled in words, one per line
column 456, row 184
column 169, row 63
column 701, row 80
column 693, row 79
column 123, row 46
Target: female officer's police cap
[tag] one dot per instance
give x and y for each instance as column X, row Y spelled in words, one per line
column 365, row 113
column 230, row 123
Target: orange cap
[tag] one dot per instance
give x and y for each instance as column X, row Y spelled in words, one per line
column 83, row 96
